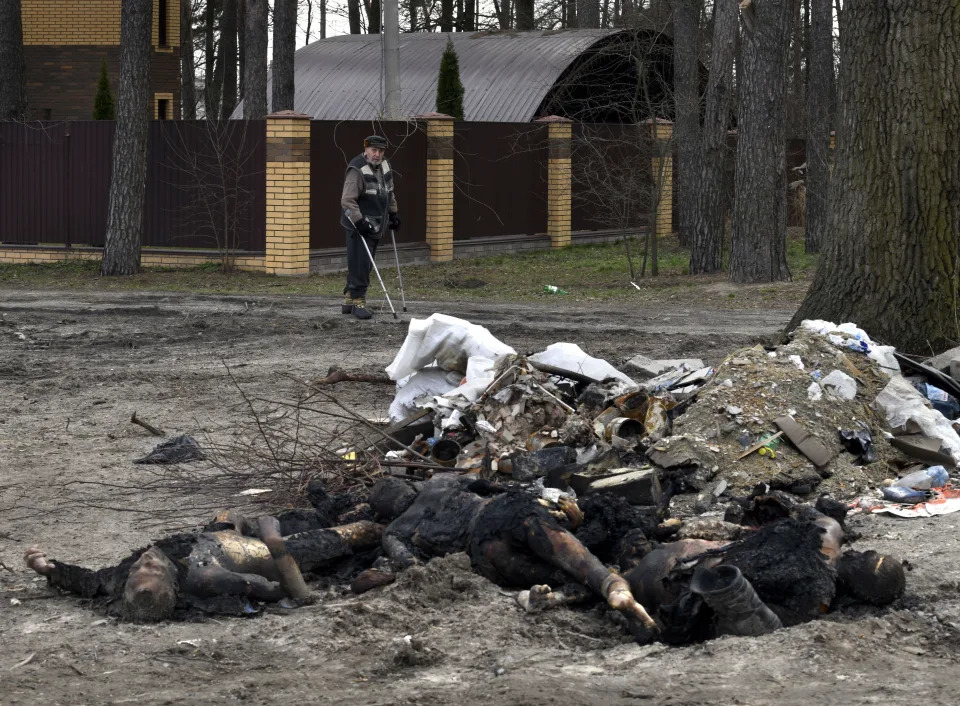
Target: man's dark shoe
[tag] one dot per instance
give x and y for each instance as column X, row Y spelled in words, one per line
column 347, row 306
column 360, row 309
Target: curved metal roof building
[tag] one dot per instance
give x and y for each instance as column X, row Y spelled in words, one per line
column 507, row 76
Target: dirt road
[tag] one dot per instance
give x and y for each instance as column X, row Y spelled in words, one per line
column 73, row 367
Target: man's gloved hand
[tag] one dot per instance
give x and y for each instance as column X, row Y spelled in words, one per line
column 365, row 227
column 394, row 220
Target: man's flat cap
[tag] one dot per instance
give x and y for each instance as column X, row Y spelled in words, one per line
column 375, row 141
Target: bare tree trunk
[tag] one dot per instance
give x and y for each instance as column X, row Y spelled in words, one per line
column 686, row 97
column 412, row 10
column 501, row 9
column 372, row 8
column 309, row 28
column 890, row 262
column 819, row 123
column 241, row 44
column 228, row 54
column 323, row 19
column 588, row 14
column 121, row 247
column 706, row 253
column 188, row 88
column 446, row 15
column 524, row 14
column 13, row 96
column 469, row 16
column 284, row 41
column 758, row 250
column 211, row 97
column 255, row 80
column 353, row 16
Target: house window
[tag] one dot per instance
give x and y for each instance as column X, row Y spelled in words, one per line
column 162, row 22
column 163, row 107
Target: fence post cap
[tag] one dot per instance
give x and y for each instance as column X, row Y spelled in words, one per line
column 552, row 119
column 289, row 114
column 433, row 116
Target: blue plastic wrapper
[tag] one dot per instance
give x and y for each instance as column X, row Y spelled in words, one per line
column 899, row 494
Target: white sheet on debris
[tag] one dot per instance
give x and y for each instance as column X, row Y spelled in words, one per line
column 851, row 336
column 447, row 341
column 570, row 357
column 420, row 387
column 900, row 402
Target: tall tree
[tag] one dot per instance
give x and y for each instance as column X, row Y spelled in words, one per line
column 284, row 46
column 211, row 96
column 412, row 9
column 128, row 182
column 323, row 19
column 449, row 86
column 706, row 252
column 588, row 14
column 353, row 16
column 228, row 58
column 686, row 98
column 241, row 44
column 819, row 122
column 758, row 248
column 890, row 262
column 372, row 8
column 188, row 88
column 469, row 23
column 446, row 15
column 255, row 67
column 13, row 96
column 524, row 14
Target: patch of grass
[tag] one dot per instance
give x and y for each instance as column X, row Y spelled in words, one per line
column 587, row 272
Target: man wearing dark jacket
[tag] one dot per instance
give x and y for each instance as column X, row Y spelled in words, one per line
column 367, row 208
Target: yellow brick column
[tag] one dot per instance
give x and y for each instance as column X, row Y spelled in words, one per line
column 288, row 194
column 559, row 171
column 661, row 132
column 439, row 185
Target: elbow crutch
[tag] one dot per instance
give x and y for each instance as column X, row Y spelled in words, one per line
column 396, row 259
column 374, row 264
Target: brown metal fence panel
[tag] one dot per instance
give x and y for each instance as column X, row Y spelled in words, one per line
column 206, row 184
column 612, row 179
column 500, row 179
column 55, row 183
column 334, row 143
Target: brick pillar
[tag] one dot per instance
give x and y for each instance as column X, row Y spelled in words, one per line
column 559, row 191
column 439, row 185
column 661, row 132
column 288, row 194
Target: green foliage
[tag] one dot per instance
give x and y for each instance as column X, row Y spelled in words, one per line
column 103, row 105
column 449, row 87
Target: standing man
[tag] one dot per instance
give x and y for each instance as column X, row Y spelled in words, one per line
column 368, row 208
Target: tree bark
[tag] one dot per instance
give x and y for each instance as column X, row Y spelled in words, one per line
column 255, row 80
column 819, row 122
column 13, row 96
column 446, row 15
column 373, row 16
column 323, row 19
column 228, row 54
column 686, row 96
column 284, row 41
column 469, row 16
column 412, row 10
column 588, row 14
column 353, row 16
column 524, row 10
column 706, row 253
column 890, row 263
column 211, row 97
column 758, row 246
column 121, row 248
column 188, row 87
column 241, row 44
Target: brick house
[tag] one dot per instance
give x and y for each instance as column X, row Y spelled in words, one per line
column 65, row 41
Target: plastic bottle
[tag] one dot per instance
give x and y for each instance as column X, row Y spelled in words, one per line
column 933, row 477
column 770, row 448
column 551, row 289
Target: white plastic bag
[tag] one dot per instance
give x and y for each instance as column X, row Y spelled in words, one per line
column 848, row 335
column 901, row 403
column 422, row 386
column 570, row 357
column 446, row 340
column 839, row 384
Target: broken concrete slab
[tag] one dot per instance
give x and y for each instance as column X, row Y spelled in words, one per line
column 678, row 451
column 642, row 367
column 809, row 445
column 637, row 486
column 942, row 361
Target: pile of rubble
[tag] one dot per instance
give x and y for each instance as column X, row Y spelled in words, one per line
column 829, row 413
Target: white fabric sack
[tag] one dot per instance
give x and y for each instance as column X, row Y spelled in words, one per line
column 446, row 340
column 422, row 386
column 901, row 403
column 570, row 357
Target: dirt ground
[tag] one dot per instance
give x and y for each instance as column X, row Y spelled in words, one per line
column 74, row 366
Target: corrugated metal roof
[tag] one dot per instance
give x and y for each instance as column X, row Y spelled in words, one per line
column 505, row 75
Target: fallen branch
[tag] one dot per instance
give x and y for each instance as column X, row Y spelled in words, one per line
column 152, row 429
column 340, row 375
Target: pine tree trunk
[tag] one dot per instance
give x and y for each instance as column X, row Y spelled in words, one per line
column 13, row 97
column 706, row 254
column 188, row 87
column 469, row 16
column 323, row 19
column 412, row 10
column 524, row 10
column 211, row 96
column 255, row 80
column 686, row 96
column 446, row 15
column 758, row 246
column 588, row 14
column 284, row 41
column 819, row 123
column 228, row 53
column 890, row 261
column 353, row 16
column 121, row 248
column 373, row 16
